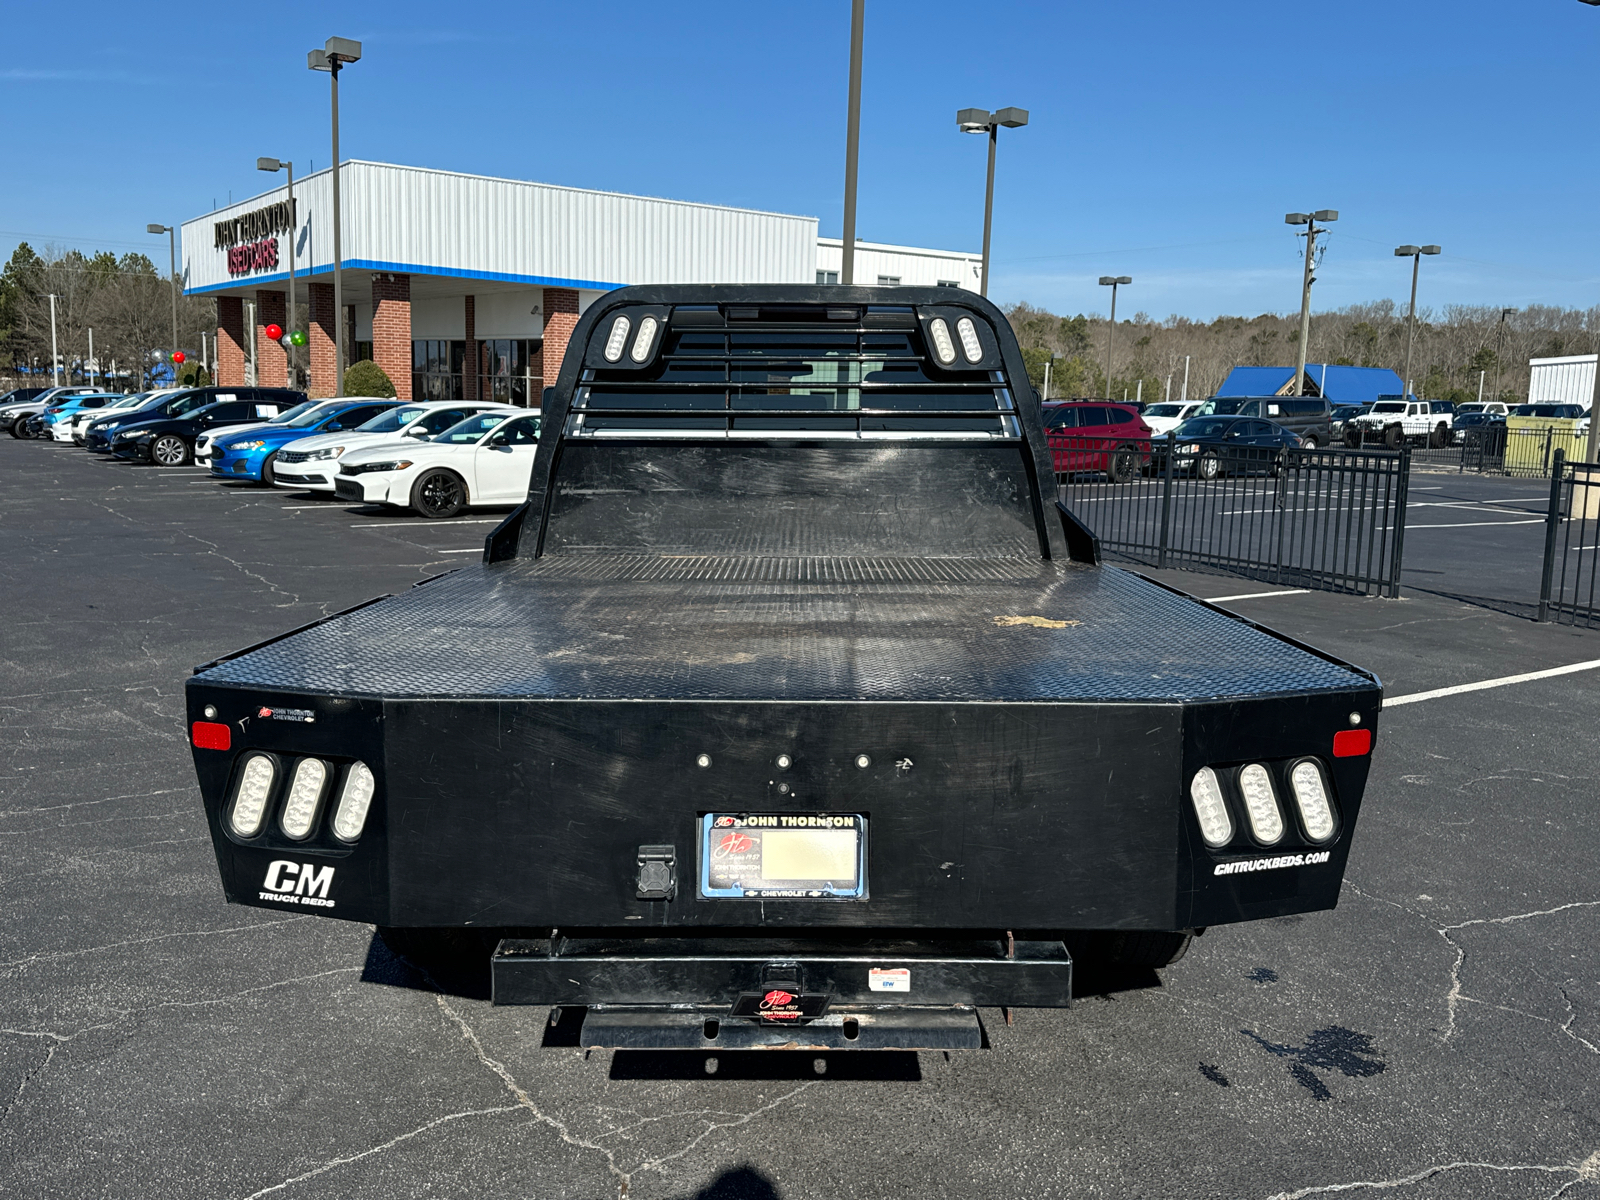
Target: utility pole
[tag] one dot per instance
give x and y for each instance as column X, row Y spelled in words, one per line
column 852, row 142
column 1414, row 253
column 55, row 359
column 1498, row 366
column 1326, row 215
column 90, row 363
column 273, row 164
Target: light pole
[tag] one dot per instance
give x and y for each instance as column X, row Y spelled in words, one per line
column 1185, row 397
column 1414, row 253
column 978, row 120
column 1309, row 220
column 1113, row 282
column 172, row 266
column 335, row 53
column 55, row 359
column 852, row 143
column 274, row 164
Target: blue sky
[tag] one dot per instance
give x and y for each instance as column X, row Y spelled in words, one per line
column 1167, row 139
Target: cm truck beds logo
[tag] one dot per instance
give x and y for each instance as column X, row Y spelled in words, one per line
column 298, row 883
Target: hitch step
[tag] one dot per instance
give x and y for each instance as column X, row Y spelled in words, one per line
column 955, row 1027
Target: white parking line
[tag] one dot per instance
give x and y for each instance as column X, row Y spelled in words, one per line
column 416, row 524
column 1257, row 595
column 298, row 507
column 1504, row 681
column 1466, row 524
column 474, row 550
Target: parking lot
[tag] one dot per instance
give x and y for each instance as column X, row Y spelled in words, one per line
column 1438, row 1035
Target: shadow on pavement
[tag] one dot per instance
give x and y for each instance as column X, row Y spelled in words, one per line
column 741, row 1183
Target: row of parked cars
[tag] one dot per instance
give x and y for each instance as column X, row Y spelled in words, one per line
column 1120, row 441
column 436, row 458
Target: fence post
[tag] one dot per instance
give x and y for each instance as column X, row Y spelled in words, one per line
column 1552, row 528
column 1402, row 491
column 1166, row 496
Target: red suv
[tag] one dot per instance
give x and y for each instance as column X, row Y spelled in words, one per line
column 1089, row 435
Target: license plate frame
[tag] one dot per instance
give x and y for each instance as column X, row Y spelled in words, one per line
column 735, row 847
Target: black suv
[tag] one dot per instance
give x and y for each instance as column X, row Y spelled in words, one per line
column 164, row 432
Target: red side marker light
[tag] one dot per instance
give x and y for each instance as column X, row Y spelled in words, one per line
column 1352, row 743
column 213, row 735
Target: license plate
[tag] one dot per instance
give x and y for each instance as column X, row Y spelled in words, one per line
column 783, row 856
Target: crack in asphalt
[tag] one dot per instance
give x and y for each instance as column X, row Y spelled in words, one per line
column 1587, row 1171
column 379, row 1149
column 623, row 1178
column 57, row 955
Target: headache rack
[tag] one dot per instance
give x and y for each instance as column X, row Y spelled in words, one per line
column 766, row 371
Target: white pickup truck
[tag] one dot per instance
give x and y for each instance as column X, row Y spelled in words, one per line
column 1400, row 422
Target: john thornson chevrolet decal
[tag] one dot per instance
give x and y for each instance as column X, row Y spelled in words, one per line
column 1273, row 864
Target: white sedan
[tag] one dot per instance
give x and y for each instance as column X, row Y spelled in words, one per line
column 1168, row 415
column 71, row 426
column 486, row 459
column 309, row 463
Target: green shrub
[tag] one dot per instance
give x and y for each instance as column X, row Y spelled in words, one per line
column 366, row 378
column 192, row 374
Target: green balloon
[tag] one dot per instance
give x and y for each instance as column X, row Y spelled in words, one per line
column 297, row 338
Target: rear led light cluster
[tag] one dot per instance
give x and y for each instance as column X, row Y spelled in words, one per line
column 307, row 789
column 1257, row 787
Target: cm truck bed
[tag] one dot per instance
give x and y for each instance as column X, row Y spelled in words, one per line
column 790, row 685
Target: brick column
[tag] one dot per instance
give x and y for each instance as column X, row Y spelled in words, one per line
column 560, row 319
column 230, row 341
column 391, row 330
column 469, row 368
column 322, row 331
column 272, row 362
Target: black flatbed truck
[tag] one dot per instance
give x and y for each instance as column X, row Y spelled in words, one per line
column 791, row 709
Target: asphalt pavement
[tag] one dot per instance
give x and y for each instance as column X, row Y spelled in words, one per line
column 1438, row 1035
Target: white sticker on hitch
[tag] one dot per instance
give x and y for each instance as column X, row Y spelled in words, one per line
column 889, row 979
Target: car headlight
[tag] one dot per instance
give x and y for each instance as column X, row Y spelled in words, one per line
column 1192, row 448
column 246, row 445
column 325, row 453
column 399, row 464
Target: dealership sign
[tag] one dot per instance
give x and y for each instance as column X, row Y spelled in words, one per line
column 250, row 239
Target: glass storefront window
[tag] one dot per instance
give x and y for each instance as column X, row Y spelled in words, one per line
column 505, row 370
column 436, row 369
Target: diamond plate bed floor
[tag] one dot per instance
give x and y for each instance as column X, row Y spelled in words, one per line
column 787, row 629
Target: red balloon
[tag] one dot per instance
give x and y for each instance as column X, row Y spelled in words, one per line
column 178, row 356
column 274, row 332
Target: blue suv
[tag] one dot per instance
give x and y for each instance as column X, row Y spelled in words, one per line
column 249, row 454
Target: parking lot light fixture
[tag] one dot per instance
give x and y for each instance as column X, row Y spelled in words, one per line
column 1113, row 282
column 1414, row 253
column 336, row 52
column 979, row 120
column 273, row 165
column 1309, row 220
column 172, row 266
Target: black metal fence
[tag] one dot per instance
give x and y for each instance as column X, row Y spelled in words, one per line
column 1327, row 519
column 1567, row 592
column 1497, row 450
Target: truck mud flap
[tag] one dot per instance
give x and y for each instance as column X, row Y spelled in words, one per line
column 955, row 1027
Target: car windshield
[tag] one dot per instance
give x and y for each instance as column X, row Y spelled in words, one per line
column 1389, row 406
column 1164, row 410
column 471, row 429
column 1219, row 407
column 292, row 416
column 1202, row 427
column 393, row 420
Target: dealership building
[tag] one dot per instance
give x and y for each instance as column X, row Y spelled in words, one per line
column 466, row 287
